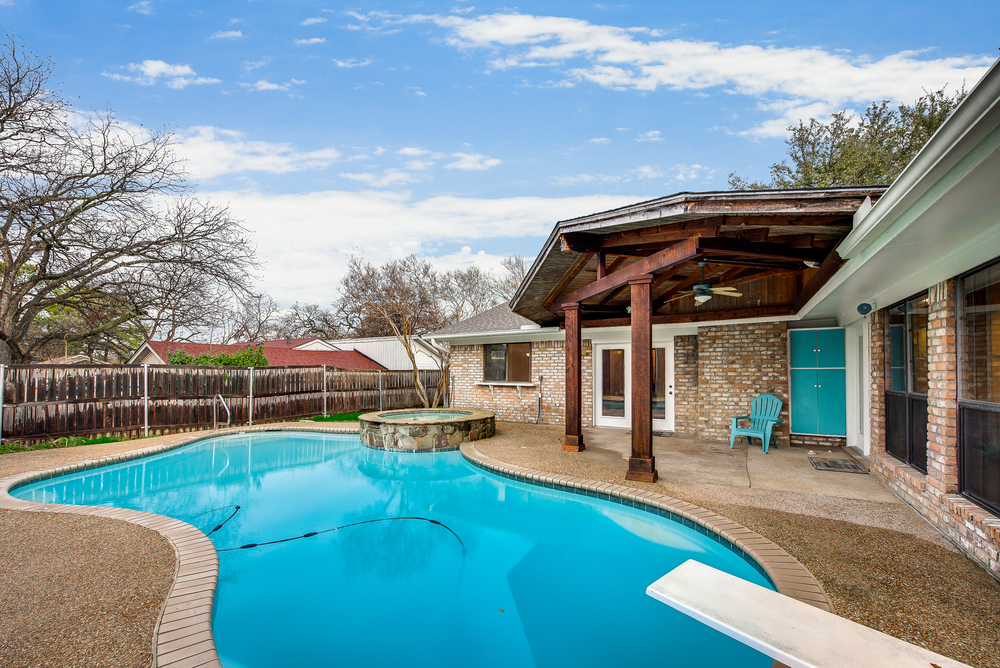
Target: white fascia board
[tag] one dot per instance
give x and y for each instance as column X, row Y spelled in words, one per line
column 508, row 336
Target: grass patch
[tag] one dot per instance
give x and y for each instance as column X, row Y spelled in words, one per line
column 65, row 442
column 343, row 417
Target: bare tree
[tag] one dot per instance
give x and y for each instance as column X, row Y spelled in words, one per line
column 308, row 321
column 253, row 319
column 94, row 213
column 510, row 279
column 403, row 294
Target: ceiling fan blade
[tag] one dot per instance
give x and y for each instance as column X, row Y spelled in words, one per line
column 680, row 296
column 726, row 292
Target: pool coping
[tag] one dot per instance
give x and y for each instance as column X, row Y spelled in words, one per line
column 182, row 635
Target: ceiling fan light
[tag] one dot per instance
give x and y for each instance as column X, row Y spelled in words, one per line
column 701, row 299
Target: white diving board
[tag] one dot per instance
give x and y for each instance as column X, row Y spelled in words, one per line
column 783, row 628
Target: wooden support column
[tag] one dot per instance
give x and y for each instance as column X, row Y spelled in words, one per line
column 642, row 464
column 573, row 440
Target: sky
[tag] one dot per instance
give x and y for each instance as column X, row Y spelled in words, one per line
column 463, row 131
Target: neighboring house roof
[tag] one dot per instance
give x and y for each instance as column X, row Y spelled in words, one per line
column 390, row 353
column 279, row 353
column 497, row 319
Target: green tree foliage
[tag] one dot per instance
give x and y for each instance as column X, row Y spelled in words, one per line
column 249, row 356
column 849, row 151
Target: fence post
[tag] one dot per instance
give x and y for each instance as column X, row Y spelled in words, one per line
column 324, row 390
column 145, row 399
column 251, row 395
column 380, row 389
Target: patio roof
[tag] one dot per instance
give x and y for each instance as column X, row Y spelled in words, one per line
column 776, row 247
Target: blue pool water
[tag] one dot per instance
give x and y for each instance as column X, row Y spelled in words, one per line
column 547, row 578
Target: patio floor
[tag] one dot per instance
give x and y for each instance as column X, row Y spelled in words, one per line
column 77, row 599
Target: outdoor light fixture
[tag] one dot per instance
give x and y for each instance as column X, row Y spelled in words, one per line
column 701, row 299
column 810, row 264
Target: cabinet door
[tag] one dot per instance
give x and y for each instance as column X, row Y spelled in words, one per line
column 803, row 345
column 830, row 348
column 832, row 397
column 804, row 408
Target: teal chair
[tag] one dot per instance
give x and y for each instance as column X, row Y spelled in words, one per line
column 763, row 416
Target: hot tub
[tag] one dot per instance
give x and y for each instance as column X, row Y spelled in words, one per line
column 425, row 429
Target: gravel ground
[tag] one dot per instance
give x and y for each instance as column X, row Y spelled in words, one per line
column 896, row 582
column 80, row 591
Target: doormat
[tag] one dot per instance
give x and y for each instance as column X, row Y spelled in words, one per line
column 838, row 465
column 661, row 434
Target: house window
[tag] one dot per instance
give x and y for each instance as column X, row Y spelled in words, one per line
column 507, row 362
column 979, row 386
column 906, row 381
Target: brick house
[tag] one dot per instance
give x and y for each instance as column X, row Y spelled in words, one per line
column 873, row 313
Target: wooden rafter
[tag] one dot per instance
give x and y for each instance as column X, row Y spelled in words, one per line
column 762, row 250
column 570, row 275
column 668, row 257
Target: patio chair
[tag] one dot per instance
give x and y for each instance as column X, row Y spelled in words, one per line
column 763, row 416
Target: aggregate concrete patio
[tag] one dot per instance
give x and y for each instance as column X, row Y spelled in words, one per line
column 880, row 564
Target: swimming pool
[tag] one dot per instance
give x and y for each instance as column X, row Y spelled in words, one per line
column 417, row 559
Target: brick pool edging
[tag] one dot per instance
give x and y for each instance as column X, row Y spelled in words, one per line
column 183, row 637
column 784, row 571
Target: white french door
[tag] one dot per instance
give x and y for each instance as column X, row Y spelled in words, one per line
column 613, row 385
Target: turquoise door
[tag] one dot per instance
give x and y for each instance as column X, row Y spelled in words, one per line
column 831, row 395
column 804, row 408
column 829, row 348
column 803, row 348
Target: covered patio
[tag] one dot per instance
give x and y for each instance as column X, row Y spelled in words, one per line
column 687, row 258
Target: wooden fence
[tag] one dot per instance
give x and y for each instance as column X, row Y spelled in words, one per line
column 53, row 401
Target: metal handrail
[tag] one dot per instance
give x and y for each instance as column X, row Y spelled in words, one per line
column 215, row 411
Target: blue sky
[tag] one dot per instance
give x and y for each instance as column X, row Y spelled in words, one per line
column 462, row 131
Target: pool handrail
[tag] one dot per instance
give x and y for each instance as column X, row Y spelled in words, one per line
column 215, row 411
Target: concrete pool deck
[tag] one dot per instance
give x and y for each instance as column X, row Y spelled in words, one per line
column 880, row 565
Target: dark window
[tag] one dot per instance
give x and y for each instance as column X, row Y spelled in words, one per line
column 507, row 362
column 979, row 387
column 906, row 381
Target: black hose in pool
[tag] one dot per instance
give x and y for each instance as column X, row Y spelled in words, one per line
column 310, row 534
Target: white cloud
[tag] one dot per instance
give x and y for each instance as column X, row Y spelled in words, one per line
column 790, row 82
column 263, row 84
column 227, row 34
column 311, row 40
column 144, row 7
column 419, row 165
column 312, row 21
column 353, row 62
column 413, row 151
column 576, row 179
column 383, row 224
column 599, row 140
column 148, row 72
column 692, row 173
column 251, row 65
column 652, row 135
column 646, row 172
column 389, row 177
column 211, row 152
column 470, row 162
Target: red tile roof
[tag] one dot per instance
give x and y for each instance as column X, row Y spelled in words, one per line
column 279, row 353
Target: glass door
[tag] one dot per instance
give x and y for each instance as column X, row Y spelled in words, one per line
column 906, row 382
column 613, row 375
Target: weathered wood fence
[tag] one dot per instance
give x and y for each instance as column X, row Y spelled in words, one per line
column 53, row 401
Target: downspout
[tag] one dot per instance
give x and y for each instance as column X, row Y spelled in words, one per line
column 538, row 418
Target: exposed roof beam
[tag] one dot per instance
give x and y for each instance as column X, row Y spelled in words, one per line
column 658, row 235
column 668, row 257
column 826, row 270
column 570, row 275
column 764, row 250
column 704, row 316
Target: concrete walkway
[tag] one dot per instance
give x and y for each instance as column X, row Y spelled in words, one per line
column 783, row 479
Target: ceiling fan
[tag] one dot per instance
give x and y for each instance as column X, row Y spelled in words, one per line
column 703, row 291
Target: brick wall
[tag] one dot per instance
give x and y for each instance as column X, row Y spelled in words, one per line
column 818, row 442
column 972, row 529
column 686, row 384
column 548, row 359
column 735, row 364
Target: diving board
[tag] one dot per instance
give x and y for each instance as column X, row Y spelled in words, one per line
column 790, row 631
